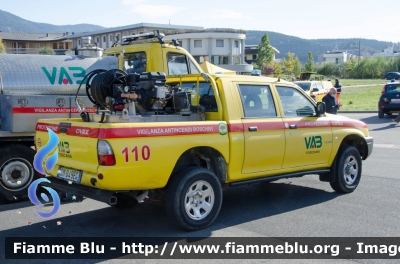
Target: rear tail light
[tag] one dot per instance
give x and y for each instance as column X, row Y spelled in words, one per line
column 384, row 90
column 105, row 154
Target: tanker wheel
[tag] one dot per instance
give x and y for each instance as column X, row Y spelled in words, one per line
column 16, row 170
column 194, row 198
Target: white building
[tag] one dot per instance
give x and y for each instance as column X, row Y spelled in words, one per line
column 105, row 38
column 388, row 52
column 337, row 57
column 224, row 47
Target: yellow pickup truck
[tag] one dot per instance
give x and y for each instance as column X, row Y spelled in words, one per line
column 183, row 138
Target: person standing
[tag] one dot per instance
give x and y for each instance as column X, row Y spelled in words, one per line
column 338, row 87
column 331, row 104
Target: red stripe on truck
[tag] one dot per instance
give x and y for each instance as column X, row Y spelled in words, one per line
column 156, row 131
column 50, row 110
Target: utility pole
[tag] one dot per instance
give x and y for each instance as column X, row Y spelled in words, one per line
column 359, row 55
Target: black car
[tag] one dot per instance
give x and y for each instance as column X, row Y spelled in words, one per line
column 389, row 102
column 392, row 75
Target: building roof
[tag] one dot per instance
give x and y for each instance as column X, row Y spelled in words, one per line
column 138, row 25
column 13, row 36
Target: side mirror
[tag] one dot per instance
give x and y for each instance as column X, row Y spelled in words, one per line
column 321, row 108
column 315, row 89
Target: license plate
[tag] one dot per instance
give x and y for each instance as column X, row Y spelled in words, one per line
column 395, row 101
column 69, row 174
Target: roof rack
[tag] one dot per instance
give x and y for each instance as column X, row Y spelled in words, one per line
column 144, row 37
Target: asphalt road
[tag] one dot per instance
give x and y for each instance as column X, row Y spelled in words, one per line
column 298, row 207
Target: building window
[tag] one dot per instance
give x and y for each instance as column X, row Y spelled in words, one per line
column 79, row 42
column 219, row 60
column 236, row 44
column 220, row 43
column 97, row 39
column 197, row 43
column 254, row 56
column 111, row 38
column 104, row 38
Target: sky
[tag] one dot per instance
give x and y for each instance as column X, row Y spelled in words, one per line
column 308, row 19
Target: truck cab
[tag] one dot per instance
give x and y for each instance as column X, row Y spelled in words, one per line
column 148, row 52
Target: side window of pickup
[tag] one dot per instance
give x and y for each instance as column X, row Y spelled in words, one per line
column 204, row 95
column 135, row 62
column 257, row 101
column 295, row 103
column 177, row 64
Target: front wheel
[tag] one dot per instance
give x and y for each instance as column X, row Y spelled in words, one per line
column 194, row 198
column 348, row 170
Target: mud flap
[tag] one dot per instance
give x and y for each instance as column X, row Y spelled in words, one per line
column 331, row 176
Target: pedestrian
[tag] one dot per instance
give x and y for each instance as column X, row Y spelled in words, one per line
column 338, row 87
column 331, row 104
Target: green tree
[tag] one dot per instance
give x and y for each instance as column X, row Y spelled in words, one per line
column 2, row 48
column 289, row 63
column 309, row 66
column 297, row 67
column 46, row 51
column 278, row 69
column 265, row 53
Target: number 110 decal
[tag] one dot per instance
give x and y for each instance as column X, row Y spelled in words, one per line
column 138, row 154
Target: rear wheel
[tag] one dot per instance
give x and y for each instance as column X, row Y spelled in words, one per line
column 348, row 171
column 380, row 114
column 16, row 170
column 194, row 198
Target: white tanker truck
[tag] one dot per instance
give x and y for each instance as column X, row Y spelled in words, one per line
column 34, row 87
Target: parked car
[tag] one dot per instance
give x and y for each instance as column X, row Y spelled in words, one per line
column 255, row 73
column 389, row 102
column 315, row 89
column 392, row 75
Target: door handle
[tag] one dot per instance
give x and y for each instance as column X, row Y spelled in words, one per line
column 292, row 126
column 252, row 129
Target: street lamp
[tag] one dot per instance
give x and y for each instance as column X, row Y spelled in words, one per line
column 359, row 55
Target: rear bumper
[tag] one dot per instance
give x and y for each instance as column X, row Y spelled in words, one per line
column 86, row 191
column 389, row 107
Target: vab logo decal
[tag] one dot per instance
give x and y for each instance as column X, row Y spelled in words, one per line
column 44, row 162
column 313, row 142
column 64, row 76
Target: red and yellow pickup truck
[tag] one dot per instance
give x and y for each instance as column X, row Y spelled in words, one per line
column 183, row 138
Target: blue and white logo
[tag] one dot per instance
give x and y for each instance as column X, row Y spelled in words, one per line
column 44, row 161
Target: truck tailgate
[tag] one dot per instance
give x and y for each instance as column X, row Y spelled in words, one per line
column 77, row 147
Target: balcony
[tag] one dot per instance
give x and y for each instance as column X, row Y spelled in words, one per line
column 32, row 51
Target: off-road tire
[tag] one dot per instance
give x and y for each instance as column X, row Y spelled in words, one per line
column 194, row 198
column 380, row 114
column 16, row 170
column 348, row 170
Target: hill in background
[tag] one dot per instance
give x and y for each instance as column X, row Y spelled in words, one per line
column 13, row 23
column 284, row 43
column 300, row 47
